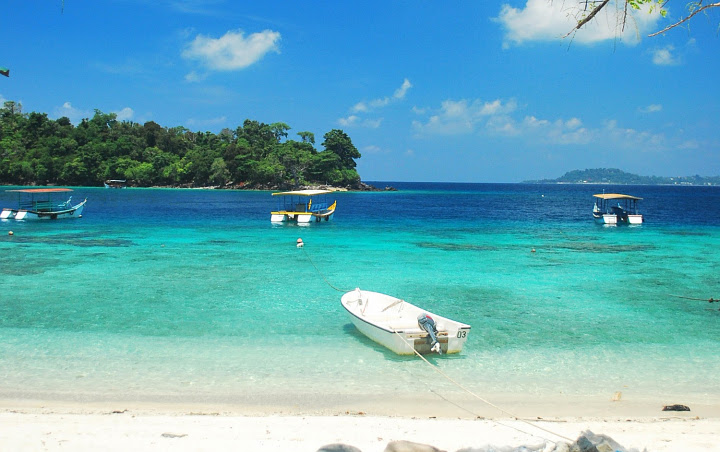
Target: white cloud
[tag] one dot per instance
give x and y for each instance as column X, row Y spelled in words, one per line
column 233, row 50
column 356, row 121
column 367, row 107
column 461, row 117
column 125, row 114
column 73, row 114
column 546, row 20
column 665, row 56
column 652, row 108
column 399, row 94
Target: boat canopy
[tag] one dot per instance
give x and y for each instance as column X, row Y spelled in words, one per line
column 616, row 196
column 302, row 193
column 41, row 190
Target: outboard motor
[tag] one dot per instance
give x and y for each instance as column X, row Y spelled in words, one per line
column 428, row 324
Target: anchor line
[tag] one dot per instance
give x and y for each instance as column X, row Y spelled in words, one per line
column 517, row 418
column 709, row 300
column 320, row 273
column 437, row 369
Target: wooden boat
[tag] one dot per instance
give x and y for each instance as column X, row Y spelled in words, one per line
column 396, row 324
column 615, row 208
column 303, row 207
column 115, row 183
column 37, row 204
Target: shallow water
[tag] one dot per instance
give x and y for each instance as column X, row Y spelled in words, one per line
column 193, row 295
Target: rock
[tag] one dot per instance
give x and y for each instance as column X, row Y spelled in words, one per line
column 338, row 448
column 408, row 446
column 675, row 408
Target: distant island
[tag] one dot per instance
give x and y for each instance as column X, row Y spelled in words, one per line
column 619, row 177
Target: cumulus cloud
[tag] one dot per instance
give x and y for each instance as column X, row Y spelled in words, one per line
column 665, row 56
column 125, row 114
column 545, row 20
column 232, row 51
column 463, row 116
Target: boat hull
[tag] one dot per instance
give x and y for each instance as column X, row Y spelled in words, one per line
column 605, row 218
column 21, row 214
column 300, row 217
column 392, row 323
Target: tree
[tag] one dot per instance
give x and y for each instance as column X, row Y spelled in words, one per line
column 339, row 142
column 592, row 7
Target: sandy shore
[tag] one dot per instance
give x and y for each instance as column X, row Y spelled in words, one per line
column 31, row 426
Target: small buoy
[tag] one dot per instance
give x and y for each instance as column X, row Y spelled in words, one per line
column 532, row 250
column 10, row 233
column 300, row 243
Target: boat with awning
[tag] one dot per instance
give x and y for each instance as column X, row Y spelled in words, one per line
column 303, row 207
column 40, row 204
column 616, row 208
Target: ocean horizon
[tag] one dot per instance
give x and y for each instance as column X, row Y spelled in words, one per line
column 193, row 296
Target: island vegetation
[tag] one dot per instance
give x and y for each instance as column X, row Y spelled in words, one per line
column 37, row 150
column 619, row 177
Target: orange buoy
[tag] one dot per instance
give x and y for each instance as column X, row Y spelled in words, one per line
column 300, row 243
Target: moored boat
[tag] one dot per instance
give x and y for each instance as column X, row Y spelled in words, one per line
column 303, row 206
column 38, row 204
column 401, row 326
column 115, row 183
column 616, row 208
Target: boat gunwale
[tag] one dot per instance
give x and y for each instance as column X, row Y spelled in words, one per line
column 461, row 325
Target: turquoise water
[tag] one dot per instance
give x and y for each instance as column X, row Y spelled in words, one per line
column 194, row 296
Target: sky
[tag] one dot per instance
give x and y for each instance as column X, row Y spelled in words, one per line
column 428, row 91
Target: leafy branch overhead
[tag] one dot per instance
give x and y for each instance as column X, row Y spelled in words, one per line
column 36, row 150
column 624, row 7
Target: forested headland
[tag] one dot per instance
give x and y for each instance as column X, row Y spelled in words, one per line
column 37, row 150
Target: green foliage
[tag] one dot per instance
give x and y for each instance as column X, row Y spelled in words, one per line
column 36, row 150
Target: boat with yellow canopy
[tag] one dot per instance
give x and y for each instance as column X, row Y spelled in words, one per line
column 303, row 207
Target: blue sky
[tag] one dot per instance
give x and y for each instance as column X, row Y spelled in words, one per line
column 462, row 91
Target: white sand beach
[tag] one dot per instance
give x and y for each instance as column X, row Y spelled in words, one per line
column 54, row 426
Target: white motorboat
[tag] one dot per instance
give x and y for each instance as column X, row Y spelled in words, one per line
column 303, row 207
column 615, row 208
column 401, row 326
column 37, row 204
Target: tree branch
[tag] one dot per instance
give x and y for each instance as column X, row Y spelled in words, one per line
column 711, row 5
column 589, row 17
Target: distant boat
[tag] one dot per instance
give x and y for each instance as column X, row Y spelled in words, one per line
column 303, row 206
column 401, row 326
column 115, row 183
column 38, row 204
column 614, row 208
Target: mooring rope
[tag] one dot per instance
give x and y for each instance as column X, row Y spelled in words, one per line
column 437, row 369
column 319, row 272
column 709, row 300
column 517, row 418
